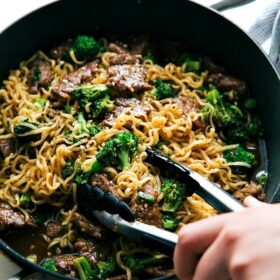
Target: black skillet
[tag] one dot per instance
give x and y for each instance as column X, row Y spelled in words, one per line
column 204, row 30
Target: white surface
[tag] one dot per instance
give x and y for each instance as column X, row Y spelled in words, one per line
column 11, row 10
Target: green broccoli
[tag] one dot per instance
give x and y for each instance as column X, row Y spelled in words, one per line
column 169, row 223
column 146, row 197
column 163, row 90
column 94, row 99
column 139, row 264
column 149, row 57
column 84, row 269
column 25, row 199
column 40, row 101
column 106, row 269
column 24, row 127
column 117, row 151
column 81, row 177
column 239, row 154
column 173, row 194
column 237, row 126
column 90, row 129
column 68, row 169
column 262, row 177
column 191, row 64
column 85, row 47
column 36, row 74
column 49, row 264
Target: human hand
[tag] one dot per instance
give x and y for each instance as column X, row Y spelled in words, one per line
column 243, row 245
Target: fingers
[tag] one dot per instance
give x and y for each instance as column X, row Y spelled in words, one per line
column 250, row 201
column 194, row 239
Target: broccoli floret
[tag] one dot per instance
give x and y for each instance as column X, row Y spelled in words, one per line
column 40, row 101
column 149, row 57
column 67, row 109
column 68, row 169
column 254, row 126
column 169, row 223
column 85, row 47
column 94, row 99
column 191, row 64
column 81, row 177
column 25, row 199
column 26, row 126
column 173, row 194
column 163, row 90
column 88, row 128
column 236, row 126
column 49, row 264
column 119, row 152
column 84, row 269
column 139, row 264
column 240, row 154
column 106, row 268
column 36, row 74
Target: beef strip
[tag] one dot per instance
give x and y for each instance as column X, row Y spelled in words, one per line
column 45, row 76
column 101, row 181
column 65, row 264
column 70, row 81
column 148, row 189
column 208, row 64
column 61, row 51
column 7, row 147
column 128, row 78
column 146, row 213
column 87, row 249
column 226, row 82
column 54, row 229
column 136, row 109
column 251, row 189
column 87, row 227
column 126, row 58
column 118, row 48
column 11, row 218
column 189, row 104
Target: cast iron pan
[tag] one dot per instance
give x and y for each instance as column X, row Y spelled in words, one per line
column 203, row 29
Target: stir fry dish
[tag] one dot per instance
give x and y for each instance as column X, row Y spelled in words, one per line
column 85, row 113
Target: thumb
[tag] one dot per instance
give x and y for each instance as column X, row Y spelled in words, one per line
column 250, row 201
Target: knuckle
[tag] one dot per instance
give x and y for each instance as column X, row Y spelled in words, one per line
column 239, row 265
column 231, row 235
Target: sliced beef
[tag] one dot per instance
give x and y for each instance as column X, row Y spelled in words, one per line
column 188, row 104
column 87, row 227
column 146, row 213
column 126, row 58
column 251, row 189
column 118, row 48
column 10, row 217
column 70, row 81
column 61, row 51
column 87, row 249
column 226, row 82
column 128, row 78
column 65, row 264
column 7, row 147
column 54, row 229
column 135, row 106
column 208, row 64
column 40, row 75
